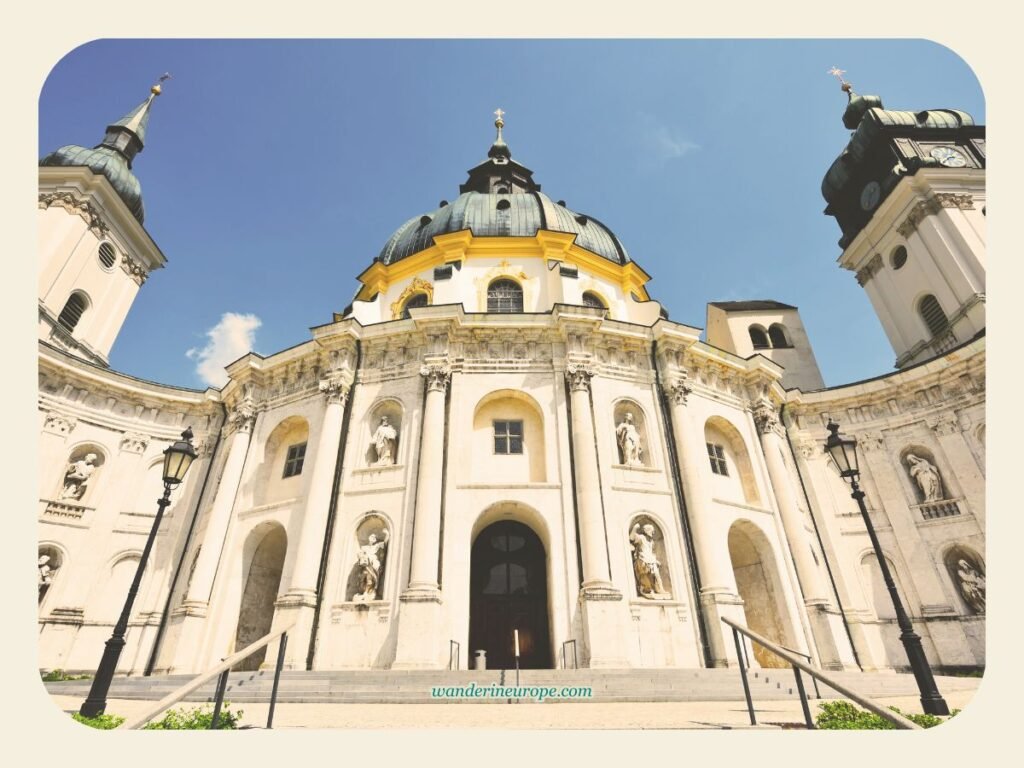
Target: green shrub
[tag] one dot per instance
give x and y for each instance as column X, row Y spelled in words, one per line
column 104, row 722
column 843, row 716
column 59, row 675
column 197, row 719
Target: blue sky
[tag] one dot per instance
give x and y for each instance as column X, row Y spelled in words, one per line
column 274, row 171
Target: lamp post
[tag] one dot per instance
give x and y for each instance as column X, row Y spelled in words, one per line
column 843, row 451
column 177, row 459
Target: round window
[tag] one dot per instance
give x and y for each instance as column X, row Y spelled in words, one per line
column 898, row 258
column 108, row 256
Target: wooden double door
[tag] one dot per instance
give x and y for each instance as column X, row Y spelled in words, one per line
column 508, row 592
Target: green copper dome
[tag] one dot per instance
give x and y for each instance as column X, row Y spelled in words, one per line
column 501, row 199
column 112, row 158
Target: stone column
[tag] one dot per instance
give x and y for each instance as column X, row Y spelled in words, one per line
column 717, row 594
column 419, row 618
column 958, row 454
column 298, row 604
column 196, row 603
column 601, row 604
column 815, row 595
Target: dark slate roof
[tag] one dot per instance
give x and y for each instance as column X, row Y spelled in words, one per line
column 108, row 162
column 866, row 114
column 515, row 214
column 750, row 306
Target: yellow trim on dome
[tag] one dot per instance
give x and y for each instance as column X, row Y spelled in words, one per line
column 457, row 247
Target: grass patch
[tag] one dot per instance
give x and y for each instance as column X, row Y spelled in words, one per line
column 59, row 676
column 103, row 722
column 197, row 719
column 844, row 716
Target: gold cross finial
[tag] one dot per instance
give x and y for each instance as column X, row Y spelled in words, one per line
column 838, row 74
column 499, row 123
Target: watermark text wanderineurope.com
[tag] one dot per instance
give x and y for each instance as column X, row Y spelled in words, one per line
column 496, row 691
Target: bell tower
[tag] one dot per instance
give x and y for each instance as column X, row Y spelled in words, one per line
column 94, row 252
column 908, row 193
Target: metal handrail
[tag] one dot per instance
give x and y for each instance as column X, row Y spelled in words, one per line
column 869, row 704
column 810, row 660
column 222, row 671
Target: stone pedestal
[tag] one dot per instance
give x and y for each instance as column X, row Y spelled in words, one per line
column 419, row 628
column 602, row 611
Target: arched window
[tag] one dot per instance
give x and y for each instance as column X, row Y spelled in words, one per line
column 76, row 305
column 591, row 299
column 778, row 336
column 504, row 296
column 758, row 337
column 933, row 316
column 415, row 301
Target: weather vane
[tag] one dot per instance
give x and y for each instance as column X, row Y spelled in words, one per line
column 838, row 74
column 156, row 88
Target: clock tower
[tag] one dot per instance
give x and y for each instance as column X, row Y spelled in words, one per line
column 908, row 193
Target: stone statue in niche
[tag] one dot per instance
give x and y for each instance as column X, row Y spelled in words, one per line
column 971, row 584
column 646, row 566
column 384, row 443
column 926, row 476
column 629, row 441
column 370, row 562
column 46, row 575
column 77, row 477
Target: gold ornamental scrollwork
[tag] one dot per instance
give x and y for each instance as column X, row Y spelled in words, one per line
column 417, row 285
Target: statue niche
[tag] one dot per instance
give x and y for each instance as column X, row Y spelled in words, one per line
column 49, row 564
column 384, row 425
column 647, row 546
column 925, row 476
column 629, row 435
column 969, row 577
column 367, row 573
column 81, row 469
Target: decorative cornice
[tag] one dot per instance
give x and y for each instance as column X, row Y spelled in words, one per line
column 680, row 388
column 943, row 424
column 766, row 417
column 133, row 269
column 72, row 204
column 134, row 442
column 870, row 269
column 932, row 205
column 336, row 388
column 57, row 423
column 579, row 375
column 243, row 415
column 437, row 373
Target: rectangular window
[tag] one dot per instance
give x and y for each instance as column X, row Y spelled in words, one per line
column 508, row 437
column 293, row 461
column 717, row 456
column 443, row 273
column 568, row 271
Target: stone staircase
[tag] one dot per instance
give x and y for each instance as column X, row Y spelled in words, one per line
column 614, row 685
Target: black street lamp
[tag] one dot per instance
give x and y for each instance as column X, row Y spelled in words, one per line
column 843, row 451
column 177, row 459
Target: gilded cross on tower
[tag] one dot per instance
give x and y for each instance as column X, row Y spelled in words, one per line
column 155, row 90
column 838, row 74
column 499, row 122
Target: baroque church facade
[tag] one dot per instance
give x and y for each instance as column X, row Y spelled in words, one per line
column 504, row 433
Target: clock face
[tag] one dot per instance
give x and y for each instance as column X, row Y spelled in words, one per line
column 869, row 195
column 949, row 157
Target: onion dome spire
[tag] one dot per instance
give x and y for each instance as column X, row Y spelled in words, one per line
column 113, row 156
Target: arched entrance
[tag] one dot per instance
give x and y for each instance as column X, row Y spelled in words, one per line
column 256, row 613
column 757, row 581
column 508, row 592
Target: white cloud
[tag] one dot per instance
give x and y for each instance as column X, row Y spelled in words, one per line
column 227, row 341
column 661, row 142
